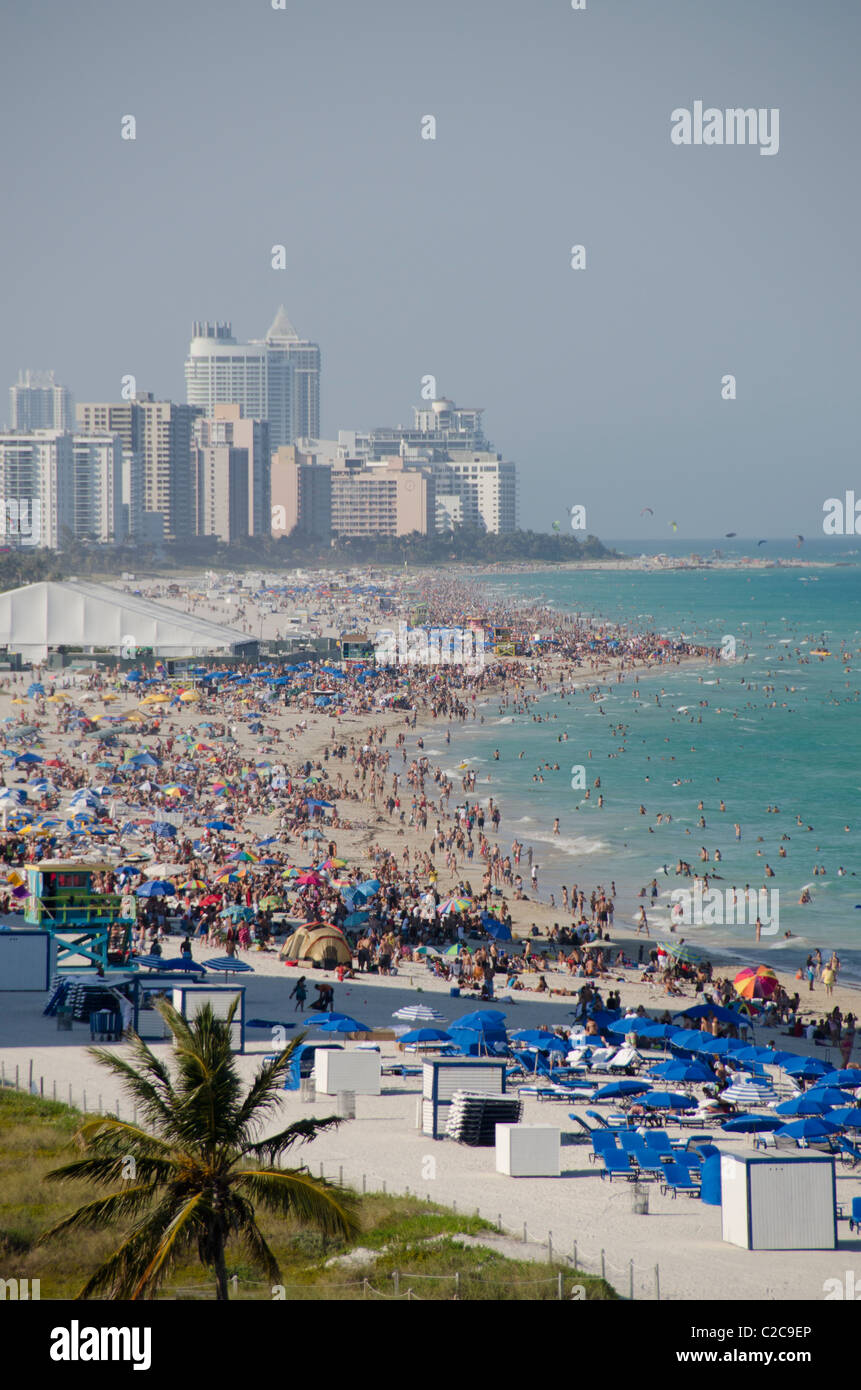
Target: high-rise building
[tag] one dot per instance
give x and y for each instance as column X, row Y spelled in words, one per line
column 473, row 485
column 276, row 378
column 161, row 433
column 38, row 403
column 37, row 488
column 301, row 493
column 228, row 427
column 382, row 499
column 220, row 491
column 98, row 488
column 125, row 419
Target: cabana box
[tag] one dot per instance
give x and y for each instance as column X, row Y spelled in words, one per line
column 528, row 1151
column 188, row 1000
column 359, row 1072
column 786, row 1203
column 28, row 960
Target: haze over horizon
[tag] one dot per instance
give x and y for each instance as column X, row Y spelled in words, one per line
column 409, row 256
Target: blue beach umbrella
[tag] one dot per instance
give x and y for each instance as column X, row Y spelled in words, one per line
column 718, row 1047
column 668, row 1100
column 228, row 965
column 616, row 1090
column 341, row 1025
column 809, row 1128
column 846, row 1116
column 807, row 1067
column 677, row 1070
column 544, row 1042
column 850, row 1077
column 716, row 1011
column 752, row 1124
column 808, row 1104
column 155, row 888
column 425, row 1035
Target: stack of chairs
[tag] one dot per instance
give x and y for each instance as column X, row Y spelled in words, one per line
column 472, row 1118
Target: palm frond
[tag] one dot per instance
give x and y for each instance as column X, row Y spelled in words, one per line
column 99, row 1214
column 177, row 1233
column 312, row 1200
column 299, row 1132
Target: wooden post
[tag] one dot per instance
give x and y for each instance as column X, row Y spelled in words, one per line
column 397, row 1281
column 603, row 1266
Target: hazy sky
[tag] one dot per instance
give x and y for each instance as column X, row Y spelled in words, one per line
column 452, row 256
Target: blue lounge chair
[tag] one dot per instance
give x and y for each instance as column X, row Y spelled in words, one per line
column 847, row 1149
column 603, row 1141
column 649, row 1163
column 678, row 1178
column 660, row 1141
column 617, row 1165
column 614, row 1122
column 855, row 1218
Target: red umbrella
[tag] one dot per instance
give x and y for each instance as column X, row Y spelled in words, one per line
column 758, row 982
column 211, row 900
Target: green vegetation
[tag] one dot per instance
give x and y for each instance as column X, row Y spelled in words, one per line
column 463, row 545
column 193, row 1179
column 407, row 1236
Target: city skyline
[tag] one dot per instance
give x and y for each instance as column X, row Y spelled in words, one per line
column 411, row 249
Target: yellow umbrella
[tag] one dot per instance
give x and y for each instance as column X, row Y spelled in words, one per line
column 58, row 696
column 154, row 699
column 190, row 696
column 18, row 701
column 109, row 696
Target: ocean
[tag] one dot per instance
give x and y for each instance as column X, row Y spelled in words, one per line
column 703, row 733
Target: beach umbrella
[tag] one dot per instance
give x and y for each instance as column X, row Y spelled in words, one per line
column 155, row 888
column 759, row 1056
column 219, row 825
column 756, row 982
column 498, row 930
column 748, row 1093
column 718, row 1047
column 643, row 1027
column 481, row 1018
column 418, row 1013
column 174, row 963
column 846, row 1116
column 715, row 1011
column 35, row 688
column 831, row 1095
column 849, row 1076
column 226, row 965
column 28, row 757
column 802, row 1105
column 752, row 1124
column 809, row 1128
column 194, row 885
column 313, row 834
column 425, row 1035
column 667, row 1100
column 454, row 905
column 616, row 1090
column 688, row 955
column 457, row 948
column 341, row 1024
column 544, row 1042
column 683, row 1071
column 806, row 1067
column 163, row 828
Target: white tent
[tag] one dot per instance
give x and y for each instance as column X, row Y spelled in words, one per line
column 38, row 617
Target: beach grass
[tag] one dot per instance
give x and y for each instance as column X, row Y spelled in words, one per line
column 405, row 1244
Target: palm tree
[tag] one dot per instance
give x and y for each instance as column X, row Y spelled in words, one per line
column 193, row 1177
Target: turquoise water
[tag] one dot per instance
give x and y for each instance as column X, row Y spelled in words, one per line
column 802, row 754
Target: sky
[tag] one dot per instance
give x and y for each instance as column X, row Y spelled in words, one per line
column 451, row 257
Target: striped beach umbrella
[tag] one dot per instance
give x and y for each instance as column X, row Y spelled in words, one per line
column 756, row 982
column 418, row 1013
column 748, row 1093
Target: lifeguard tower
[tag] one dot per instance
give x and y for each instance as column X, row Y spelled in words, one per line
column 84, row 923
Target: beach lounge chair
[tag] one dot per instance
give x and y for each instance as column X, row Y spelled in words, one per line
column 617, row 1165
column 678, row 1178
column 649, row 1163
column 603, row 1141
column 847, row 1149
column 855, row 1218
column 601, row 1057
column 659, row 1142
column 578, row 1120
column 627, row 1059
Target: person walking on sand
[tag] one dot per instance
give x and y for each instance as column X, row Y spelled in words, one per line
column 300, row 992
column 642, row 921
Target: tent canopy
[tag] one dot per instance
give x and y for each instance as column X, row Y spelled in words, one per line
column 314, row 943
column 75, row 613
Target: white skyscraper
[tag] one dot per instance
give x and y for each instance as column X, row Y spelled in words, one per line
column 38, row 403
column 37, row 488
column 276, row 378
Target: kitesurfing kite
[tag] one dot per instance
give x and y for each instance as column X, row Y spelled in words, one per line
column 800, row 540
column 730, row 534
column 647, row 509
column 762, row 542
column 675, row 525
column 556, row 526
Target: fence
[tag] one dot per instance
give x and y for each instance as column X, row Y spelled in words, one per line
column 629, row 1282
